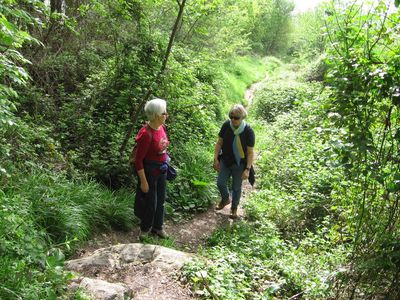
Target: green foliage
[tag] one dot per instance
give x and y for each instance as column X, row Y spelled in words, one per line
column 308, row 266
column 295, row 170
column 363, row 79
column 30, row 267
column 68, row 210
column 306, row 39
column 250, row 261
column 13, row 35
column 239, row 73
column 315, row 70
column 238, row 268
column 269, row 25
column 44, row 215
column 218, row 27
column 194, row 188
column 29, row 148
column 281, row 97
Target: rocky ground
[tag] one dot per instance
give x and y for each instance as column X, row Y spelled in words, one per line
column 115, row 265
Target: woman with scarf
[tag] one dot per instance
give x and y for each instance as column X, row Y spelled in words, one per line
column 233, row 156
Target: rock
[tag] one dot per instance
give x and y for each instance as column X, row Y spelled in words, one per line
column 120, row 255
column 103, row 290
column 144, row 268
column 98, row 259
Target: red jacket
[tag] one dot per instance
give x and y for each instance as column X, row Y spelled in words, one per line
column 151, row 145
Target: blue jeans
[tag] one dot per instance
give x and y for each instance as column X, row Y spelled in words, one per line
column 222, row 182
column 153, row 217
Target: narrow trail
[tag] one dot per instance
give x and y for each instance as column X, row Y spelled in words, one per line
column 144, row 280
column 188, row 235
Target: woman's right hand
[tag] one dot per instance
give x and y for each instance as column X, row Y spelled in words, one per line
column 144, row 186
column 216, row 165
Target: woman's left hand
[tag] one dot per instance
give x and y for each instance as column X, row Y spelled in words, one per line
column 245, row 174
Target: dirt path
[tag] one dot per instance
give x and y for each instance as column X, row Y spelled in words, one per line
column 187, row 236
column 249, row 94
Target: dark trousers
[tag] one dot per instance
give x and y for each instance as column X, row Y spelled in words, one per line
column 153, row 215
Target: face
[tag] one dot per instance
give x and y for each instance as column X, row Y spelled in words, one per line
column 163, row 116
column 235, row 118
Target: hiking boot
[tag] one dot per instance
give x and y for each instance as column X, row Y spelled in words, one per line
column 144, row 234
column 222, row 204
column 160, row 233
column 233, row 214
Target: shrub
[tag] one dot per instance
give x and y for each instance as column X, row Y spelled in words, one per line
column 280, row 97
column 194, row 188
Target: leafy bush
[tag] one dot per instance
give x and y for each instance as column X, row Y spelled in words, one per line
column 364, row 109
column 250, row 261
column 194, row 188
column 315, row 70
column 237, row 269
column 306, row 40
column 281, row 97
column 13, row 23
column 309, row 265
column 294, row 165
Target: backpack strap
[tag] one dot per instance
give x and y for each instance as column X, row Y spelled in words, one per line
column 132, row 156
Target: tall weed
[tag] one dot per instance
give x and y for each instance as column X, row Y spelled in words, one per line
column 30, row 267
column 68, row 210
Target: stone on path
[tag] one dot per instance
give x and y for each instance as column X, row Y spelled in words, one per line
column 103, row 290
column 141, row 271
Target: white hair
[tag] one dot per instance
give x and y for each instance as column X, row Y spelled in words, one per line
column 238, row 109
column 154, row 108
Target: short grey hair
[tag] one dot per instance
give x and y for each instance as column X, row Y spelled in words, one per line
column 238, row 110
column 154, row 108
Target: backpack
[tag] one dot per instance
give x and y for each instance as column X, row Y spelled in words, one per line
column 132, row 157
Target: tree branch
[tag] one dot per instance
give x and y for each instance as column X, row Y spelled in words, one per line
column 135, row 112
column 379, row 35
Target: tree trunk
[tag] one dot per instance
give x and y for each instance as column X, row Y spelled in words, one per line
column 135, row 112
column 56, row 5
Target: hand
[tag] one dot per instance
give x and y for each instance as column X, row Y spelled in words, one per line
column 245, row 174
column 144, row 186
column 216, row 165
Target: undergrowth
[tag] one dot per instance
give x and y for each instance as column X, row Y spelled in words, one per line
column 288, row 245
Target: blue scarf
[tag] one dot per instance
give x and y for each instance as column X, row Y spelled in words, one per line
column 237, row 144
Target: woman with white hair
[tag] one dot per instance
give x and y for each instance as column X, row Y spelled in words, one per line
column 233, row 157
column 151, row 156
